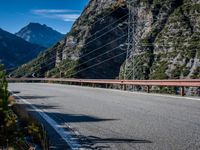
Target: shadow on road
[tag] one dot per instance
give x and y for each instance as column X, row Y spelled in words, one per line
column 62, row 118
column 15, row 92
column 76, row 118
column 115, row 140
column 93, row 142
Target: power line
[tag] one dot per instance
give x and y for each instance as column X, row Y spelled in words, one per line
column 90, row 51
column 101, row 35
column 144, row 45
column 109, row 25
column 100, row 19
column 98, row 36
column 94, row 34
column 103, row 46
column 98, row 63
column 96, row 57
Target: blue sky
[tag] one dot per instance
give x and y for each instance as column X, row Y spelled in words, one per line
column 58, row 14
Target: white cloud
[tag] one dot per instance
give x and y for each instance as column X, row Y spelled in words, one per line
column 41, row 11
column 62, row 14
column 68, row 17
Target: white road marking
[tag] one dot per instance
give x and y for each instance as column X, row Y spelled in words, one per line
column 64, row 134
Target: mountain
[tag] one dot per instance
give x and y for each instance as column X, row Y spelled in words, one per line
column 166, row 34
column 15, row 51
column 39, row 34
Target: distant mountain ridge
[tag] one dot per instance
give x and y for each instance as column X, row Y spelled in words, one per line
column 15, row 51
column 43, row 35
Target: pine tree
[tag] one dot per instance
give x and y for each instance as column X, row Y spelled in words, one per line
column 3, row 89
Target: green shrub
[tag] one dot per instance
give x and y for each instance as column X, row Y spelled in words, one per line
column 159, row 71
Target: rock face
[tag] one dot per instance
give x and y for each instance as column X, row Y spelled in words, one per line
column 15, row 51
column 171, row 44
column 167, row 35
column 40, row 34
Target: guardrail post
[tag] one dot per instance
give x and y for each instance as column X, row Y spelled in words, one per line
column 148, row 89
column 182, row 91
column 106, row 86
column 121, row 86
column 124, row 87
column 133, row 87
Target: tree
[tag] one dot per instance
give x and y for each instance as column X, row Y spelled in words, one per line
column 3, row 89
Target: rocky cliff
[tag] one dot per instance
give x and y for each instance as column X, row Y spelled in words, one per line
column 172, row 41
column 166, row 34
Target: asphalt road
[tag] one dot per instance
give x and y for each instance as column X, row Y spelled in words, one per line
column 108, row 119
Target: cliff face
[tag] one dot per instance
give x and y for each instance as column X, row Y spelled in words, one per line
column 167, row 35
column 171, row 45
column 178, row 44
column 91, row 37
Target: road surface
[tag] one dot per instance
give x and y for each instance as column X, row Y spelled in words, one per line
column 109, row 119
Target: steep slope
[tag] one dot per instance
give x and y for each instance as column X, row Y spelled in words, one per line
column 14, row 51
column 171, row 45
column 167, row 35
column 40, row 34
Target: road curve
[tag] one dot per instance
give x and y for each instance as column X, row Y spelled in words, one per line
column 108, row 119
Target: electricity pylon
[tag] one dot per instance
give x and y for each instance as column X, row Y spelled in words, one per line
column 132, row 38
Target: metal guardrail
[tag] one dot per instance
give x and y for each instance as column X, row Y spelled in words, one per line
column 148, row 83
